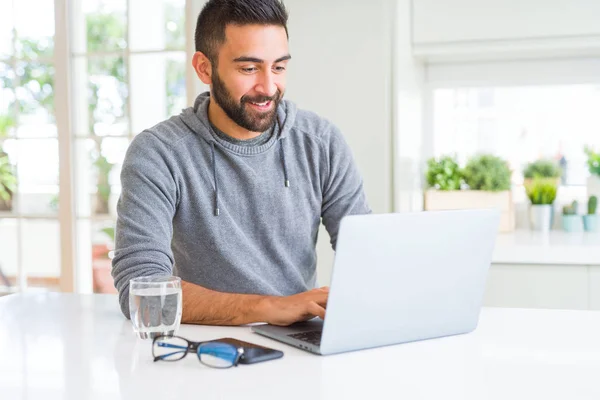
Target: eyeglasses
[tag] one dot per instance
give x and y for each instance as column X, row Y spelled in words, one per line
column 213, row 354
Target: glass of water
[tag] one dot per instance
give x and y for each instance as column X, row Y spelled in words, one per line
column 155, row 305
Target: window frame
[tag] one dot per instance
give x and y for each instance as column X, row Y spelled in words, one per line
column 76, row 276
column 542, row 72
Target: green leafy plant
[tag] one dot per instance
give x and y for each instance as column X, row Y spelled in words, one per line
column 36, row 79
column 592, row 205
column 542, row 169
column 571, row 209
column 103, row 168
column 593, row 161
column 541, row 191
column 6, row 122
column 8, row 180
column 444, row 173
column 110, row 232
column 54, row 202
column 487, row 172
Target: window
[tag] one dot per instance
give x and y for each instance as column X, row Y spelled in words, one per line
column 128, row 66
column 29, row 174
column 521, row 124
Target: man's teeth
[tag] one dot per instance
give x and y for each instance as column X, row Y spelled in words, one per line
column 261, row 104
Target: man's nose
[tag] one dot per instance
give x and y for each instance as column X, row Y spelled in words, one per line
column 266, row 85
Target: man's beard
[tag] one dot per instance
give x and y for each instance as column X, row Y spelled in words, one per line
column 252, row 120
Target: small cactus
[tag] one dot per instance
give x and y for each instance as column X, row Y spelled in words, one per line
column 592, row 205
column 571, row 209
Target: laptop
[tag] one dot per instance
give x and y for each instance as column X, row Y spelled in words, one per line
column 400, row 278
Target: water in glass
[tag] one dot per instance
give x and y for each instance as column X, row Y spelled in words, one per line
column 155, row 306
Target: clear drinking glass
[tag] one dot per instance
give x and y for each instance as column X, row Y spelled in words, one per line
column 155, row 305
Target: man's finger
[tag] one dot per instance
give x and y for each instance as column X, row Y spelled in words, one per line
column 322, row 302
column 316, row 310
column 320, row 298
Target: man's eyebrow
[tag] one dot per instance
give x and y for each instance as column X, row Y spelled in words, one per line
column 259, row 61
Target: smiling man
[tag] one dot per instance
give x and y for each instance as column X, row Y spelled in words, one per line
column 229, row 195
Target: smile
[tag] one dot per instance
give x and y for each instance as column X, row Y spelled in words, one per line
column 261, row 106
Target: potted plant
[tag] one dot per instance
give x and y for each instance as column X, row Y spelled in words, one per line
column 570, row 218
column 541, row 193
column 102, row 263
column 544, row 168
column 487, row 172
column 593, row 162
column 483, row 183
column 103, row 169
column 444, row 180
column 590, row 221
column 8, row 180
column 444, row 173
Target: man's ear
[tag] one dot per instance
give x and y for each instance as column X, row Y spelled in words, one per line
column 203, row 67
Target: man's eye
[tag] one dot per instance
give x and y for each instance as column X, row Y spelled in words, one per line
column 249, row 69
column 279, row 69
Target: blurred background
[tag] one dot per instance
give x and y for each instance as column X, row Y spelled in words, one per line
column 123, row 67
column 445, row 104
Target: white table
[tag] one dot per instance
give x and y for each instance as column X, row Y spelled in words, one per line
column 61, row 346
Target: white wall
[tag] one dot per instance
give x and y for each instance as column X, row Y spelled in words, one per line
column 341, row 69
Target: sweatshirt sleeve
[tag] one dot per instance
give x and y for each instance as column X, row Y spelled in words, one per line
column 145, row 215
column 343, row 192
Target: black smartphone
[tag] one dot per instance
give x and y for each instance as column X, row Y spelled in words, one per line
column 253, row 353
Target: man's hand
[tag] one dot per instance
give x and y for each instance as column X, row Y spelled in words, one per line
column 285, row 311
column 209, row 307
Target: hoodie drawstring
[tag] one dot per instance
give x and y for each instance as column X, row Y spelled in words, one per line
column 282, row 155
column 214, row 164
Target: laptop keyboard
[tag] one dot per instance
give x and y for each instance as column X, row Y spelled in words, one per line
column 312, row 337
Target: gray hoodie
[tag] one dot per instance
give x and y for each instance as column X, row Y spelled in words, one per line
column 232, row 218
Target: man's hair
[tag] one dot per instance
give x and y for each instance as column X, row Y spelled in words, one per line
column 217, row 14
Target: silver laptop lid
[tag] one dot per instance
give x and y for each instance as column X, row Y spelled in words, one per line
column 405, row 277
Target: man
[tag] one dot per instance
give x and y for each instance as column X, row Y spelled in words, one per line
column 229, row 194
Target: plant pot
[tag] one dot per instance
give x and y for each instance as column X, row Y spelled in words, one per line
column 5, row 205
column 540, row 217
column 572, row 223
column 435, row 200
column 593, row 186
column 101, row 207
column 591, row 222
column 101, row 269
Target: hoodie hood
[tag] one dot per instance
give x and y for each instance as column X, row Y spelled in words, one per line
column 196, row 119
